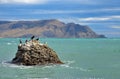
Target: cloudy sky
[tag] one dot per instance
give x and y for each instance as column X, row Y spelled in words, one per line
column 103, row 16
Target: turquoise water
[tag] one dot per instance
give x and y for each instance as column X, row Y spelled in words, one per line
column 83, row 58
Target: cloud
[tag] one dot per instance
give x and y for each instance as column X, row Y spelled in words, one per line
column 105, row 18
column 94, row 19
column 75, row 11
column 102, row 19
column 109, row 29
column 84, row 2
column 56, row 11
column 23, row 1
column 115, row 27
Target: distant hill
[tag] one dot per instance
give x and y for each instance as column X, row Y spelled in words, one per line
column 46, row 28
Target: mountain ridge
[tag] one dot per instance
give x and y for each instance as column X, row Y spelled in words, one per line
column 52, row 28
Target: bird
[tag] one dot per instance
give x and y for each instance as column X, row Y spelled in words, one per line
column 20, row 41
column 26, row 41
column 32, row 37
column 37, row 39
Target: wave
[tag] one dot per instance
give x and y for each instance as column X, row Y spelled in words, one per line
column 9, row 43
column 48, row 66
column 66, row 65
column 9, row 64
column 69, row 63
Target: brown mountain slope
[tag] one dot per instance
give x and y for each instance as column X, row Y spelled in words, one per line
column 45, row 28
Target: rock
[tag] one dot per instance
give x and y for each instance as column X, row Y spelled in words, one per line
column 34, row 53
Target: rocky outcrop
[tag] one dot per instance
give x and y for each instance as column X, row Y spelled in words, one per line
column 35, row 53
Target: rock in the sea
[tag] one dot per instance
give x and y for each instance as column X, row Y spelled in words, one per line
column 35, row 53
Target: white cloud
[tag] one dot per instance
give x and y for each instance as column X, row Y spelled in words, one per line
column 56, row 11
column 94, row 19
column 75, row 11
column 88, row 20
column 23, row 1
column 85, row 2
column 117, row 17
column 105, row 18
column 115, row 27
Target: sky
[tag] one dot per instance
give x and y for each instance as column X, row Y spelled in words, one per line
column 102, row 16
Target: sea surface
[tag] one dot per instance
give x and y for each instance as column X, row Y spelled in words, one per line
column 83, row 58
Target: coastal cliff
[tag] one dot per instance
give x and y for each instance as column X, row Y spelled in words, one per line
column 35, row 53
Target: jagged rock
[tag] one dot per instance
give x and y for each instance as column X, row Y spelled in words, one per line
column 34, row 53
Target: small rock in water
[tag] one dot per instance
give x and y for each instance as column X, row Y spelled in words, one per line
column 34, row 53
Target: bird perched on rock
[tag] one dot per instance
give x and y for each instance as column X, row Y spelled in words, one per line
column 20, row 44
column 26, row 41
column 20, row 41
column 32, row 37
column 37, row 39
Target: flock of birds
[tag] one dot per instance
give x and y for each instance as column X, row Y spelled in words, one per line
column 31, row 39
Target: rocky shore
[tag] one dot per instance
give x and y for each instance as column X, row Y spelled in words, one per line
column 33, row 52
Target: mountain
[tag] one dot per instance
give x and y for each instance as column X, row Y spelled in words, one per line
column 46, row 28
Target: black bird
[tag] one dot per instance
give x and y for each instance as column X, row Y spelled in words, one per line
column 37, row 39
column 26, row 41
column 20, row 41
column 32, row 37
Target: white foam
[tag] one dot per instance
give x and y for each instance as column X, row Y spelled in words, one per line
column 9, row 43
column 83, row 69
column 6, row 64
column 65, row 65
column 69, row 62
column 49, row 66
column 68, row 65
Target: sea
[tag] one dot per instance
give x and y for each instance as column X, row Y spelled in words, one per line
column 83, row 59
